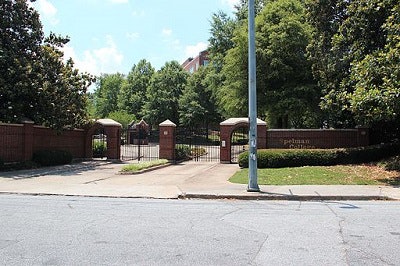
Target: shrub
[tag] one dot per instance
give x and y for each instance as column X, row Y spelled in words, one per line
column 294, row 158
column 51, row 157
column 182, row 152
column 99, row 149
column 393, row 164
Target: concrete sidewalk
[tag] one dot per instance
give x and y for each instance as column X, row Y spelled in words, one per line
column 182, row 181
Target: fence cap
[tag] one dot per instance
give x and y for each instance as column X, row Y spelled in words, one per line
column 167, row 123
column 108, row 122
column 238, row 120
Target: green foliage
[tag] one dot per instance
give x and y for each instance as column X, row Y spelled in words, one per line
column 143, row 165
column 393, row 164
column 355, row 57
column 133, row 91
column 163, row 94
column 182, row 152
column 99, row 148
column 38, row 84
column 286, row 91
column 106, row 94
column 52, row 157
column 122, row 117
column 21, row 36
column 294, row 158
column 197, row 106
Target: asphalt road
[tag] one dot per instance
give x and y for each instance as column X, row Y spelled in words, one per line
column 111, row 231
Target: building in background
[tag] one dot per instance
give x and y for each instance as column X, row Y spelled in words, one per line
column 191, row 64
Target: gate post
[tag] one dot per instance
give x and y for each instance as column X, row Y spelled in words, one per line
column 167, row 140
column 225, row 148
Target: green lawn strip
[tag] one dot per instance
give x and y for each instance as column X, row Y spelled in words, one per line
column 310, row 175
column 136, row 167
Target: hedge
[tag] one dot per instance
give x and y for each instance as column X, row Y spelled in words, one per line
column 277, row 158
column 52, row 157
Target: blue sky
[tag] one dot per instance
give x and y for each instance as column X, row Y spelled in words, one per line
column 110, row 36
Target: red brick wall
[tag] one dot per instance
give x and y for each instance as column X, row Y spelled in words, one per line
column 72, row 141
column 11, row 140
column 19, row 141
column 317, row 138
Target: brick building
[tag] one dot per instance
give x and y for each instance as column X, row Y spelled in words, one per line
column 191, row 64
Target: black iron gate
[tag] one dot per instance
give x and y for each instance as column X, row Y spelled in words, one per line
column 140, row 147
column 239, row 143
column 201, row 145
column 99, row 143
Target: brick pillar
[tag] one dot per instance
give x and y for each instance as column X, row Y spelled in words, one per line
column 261, row 136
column 225, row 147
column 28, row 139
column 113, row 141
column 167, row 140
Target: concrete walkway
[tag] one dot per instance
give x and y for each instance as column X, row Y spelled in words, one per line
column 183, row 181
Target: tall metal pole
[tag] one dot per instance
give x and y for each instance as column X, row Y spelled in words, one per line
column 253, row 185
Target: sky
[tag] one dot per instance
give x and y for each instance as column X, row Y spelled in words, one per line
column 110, row 36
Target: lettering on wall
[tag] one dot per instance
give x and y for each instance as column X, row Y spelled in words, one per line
column 297, row 143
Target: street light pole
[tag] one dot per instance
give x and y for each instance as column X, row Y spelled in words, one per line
column 253, row 185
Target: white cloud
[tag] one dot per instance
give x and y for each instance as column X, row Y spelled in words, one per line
column 47, row 11
column 194, row 50
column 230, row 3
column 166, row 32
column 107, row 59
column 132, row 35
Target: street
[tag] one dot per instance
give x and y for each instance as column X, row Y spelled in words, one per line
column 56, row 230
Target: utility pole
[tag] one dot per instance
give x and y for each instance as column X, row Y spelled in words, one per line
column 253, row 184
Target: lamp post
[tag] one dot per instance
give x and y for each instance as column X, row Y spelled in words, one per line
column 253, row 185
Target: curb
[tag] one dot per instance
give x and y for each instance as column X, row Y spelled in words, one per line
column 288, row 197
column 224, row 197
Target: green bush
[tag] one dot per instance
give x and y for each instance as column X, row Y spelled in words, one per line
column 182, row 152
column 99, row 149
column 51, row 157
column 276, row 158
column 393, row 164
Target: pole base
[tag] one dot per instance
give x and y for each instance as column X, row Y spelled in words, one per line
column 250, row 189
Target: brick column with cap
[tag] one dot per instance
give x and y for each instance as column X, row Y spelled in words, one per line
column 167, row 140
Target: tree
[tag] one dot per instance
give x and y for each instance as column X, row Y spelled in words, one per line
column 163, row 94
column 35, row 82
column 286, row 91
column 375, row 100
column 20, row 51
column 122, row 117
column 197, row 106
column 290, row 93
column 353, row 59
column 62, row 100
column 106, row 94
column 133, row 92
column 221, row 41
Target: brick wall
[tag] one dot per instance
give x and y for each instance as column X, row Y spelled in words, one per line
column 11, row 137
column 19, row 141
column 72, row 140
column 317, row 138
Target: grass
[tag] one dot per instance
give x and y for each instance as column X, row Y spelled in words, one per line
column 136, row 167
column 322, row 175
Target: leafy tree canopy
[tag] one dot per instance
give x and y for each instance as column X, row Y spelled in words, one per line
column 163, row 94
column 35, row 82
